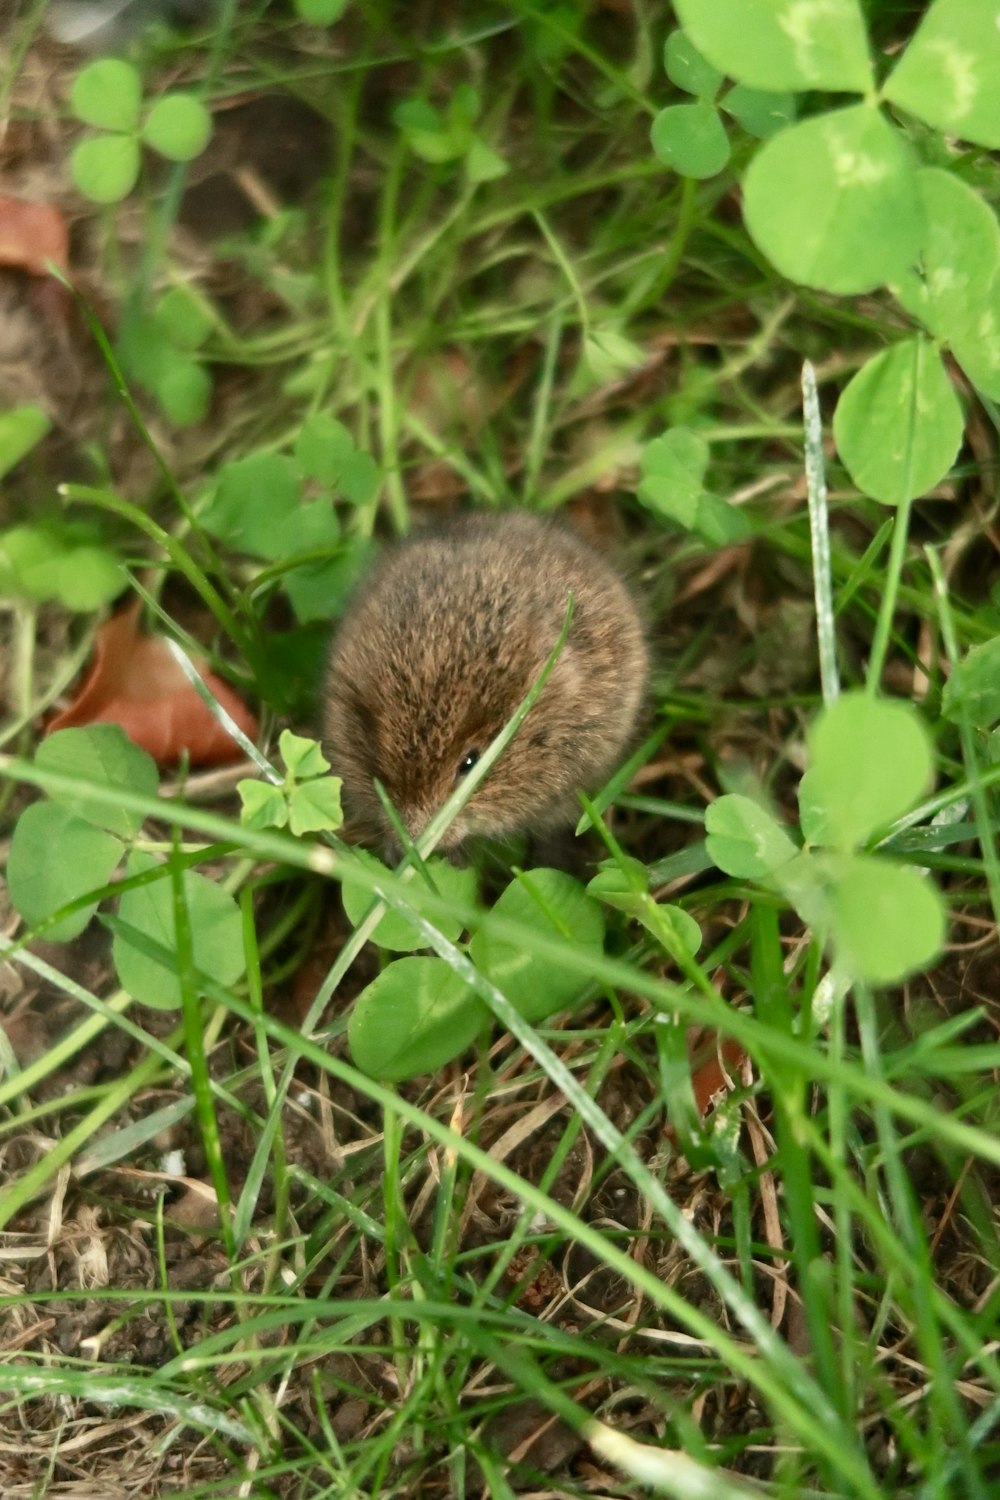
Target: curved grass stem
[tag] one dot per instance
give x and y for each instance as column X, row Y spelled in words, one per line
column 887, row 608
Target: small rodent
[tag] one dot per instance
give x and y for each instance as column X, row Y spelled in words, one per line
column 441, row 643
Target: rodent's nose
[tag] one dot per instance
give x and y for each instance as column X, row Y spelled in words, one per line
column 415, row 819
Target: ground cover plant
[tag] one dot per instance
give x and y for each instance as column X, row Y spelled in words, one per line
column 662, row 1159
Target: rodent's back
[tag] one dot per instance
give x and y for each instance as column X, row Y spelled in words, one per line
column 440, row 645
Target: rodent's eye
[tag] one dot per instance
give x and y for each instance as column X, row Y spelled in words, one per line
column 467, row 762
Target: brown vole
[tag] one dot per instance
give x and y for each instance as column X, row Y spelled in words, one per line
column 439, row 646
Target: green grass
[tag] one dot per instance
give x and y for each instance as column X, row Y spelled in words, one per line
column 539, row 1270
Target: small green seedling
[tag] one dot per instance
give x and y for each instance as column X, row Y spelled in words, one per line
column 690, row 138
column 624, row 885
column 973, row 688
column 43, row 563
column 94, row 837
column 307, row 801
column 160, row 350
column 606, row 355
column 419, row 1014
column 672, row 487
column 108, row 95
column 449, row 137
column 279, row 509
column 870, row 760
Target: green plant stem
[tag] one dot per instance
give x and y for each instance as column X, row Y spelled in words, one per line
column 20, row 45
column 565, row 265
column 345, row 105
column 387, row 395
column 887, row 607
column 275, row 1141
column 32, row 708
column 161, row 221
column 687, row 215
column 537, row 440
column 948, row 1423
column 21, row 683
column 22, row 668
column 977, row 780
column 395, row 1226
column 194, row 1046
column 552, row 20
column 121, row 385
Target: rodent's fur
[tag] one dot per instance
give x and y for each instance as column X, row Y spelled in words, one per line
column 440, row 644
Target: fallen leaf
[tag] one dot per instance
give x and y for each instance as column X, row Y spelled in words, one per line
column 30, row 235
column 135, row 681
column 714, row 1060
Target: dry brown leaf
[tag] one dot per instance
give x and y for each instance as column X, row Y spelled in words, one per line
column 135, row 681
column 711, row 1075
column 31, row 234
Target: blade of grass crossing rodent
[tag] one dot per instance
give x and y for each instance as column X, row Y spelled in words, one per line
column 889, row 596
column 430, row 836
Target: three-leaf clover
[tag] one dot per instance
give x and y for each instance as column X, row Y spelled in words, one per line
column 108, row 95
column 870, row 760
column 38, row 563
column 449, row 136
column 160, row 350
column 691, row 138
column 259, row 507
